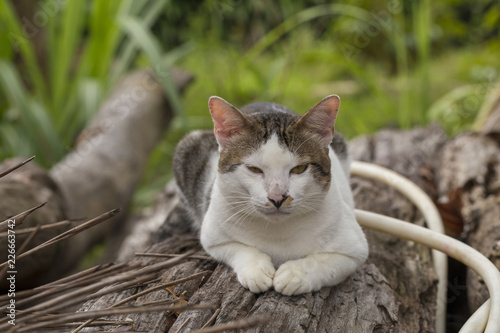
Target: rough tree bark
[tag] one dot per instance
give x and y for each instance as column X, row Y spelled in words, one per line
column 395, row 291
column 21, row 190
column 470, row 176
column 100, row 174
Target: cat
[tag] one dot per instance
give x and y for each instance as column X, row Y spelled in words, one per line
column 269, row 192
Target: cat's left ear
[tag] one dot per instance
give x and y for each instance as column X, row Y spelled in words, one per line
column 320, row 119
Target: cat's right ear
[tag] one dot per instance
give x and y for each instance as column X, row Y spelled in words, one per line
column 228, row 120
column 320, row 119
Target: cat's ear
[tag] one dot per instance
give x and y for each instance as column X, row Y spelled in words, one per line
column 228, row 120
column 320, row 119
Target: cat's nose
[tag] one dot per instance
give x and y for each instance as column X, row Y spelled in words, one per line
column 278, row 203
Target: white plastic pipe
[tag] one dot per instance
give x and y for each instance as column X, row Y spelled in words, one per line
column 477, row 322
column 431, row 215
column 452, row 247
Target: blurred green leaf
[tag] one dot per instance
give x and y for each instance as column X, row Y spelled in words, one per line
column 65, row 42
column 151, row 47
column 20, row 42
column 131, row 45
column 36, row 124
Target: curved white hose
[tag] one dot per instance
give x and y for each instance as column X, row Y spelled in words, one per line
column 452, row 247
column 431, row 215
column 477, row 322
column 487, row 316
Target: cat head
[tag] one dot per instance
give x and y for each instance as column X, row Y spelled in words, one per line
column 272, row 160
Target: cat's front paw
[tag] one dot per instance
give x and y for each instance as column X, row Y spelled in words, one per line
column 258, row 276
column 292, row 279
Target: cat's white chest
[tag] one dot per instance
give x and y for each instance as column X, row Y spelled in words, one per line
column 283, row 243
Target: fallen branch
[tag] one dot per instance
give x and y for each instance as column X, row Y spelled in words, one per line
column 73, row 231
column 17, row 166
column 19, row 218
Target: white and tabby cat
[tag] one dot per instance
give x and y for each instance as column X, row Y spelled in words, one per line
column 271, row 196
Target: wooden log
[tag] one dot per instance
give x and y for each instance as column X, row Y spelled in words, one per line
column 23, row 189
column 159, row 322
column 105, row 167
column 470, row 166
column 394, row 291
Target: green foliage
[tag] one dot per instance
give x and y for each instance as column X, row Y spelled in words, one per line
column 393, row 62
column 89, row 45
column 390, row 61
column 382, row 57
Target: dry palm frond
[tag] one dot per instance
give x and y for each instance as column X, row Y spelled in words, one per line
column 17, row 166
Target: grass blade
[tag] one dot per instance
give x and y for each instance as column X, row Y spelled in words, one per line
column 399, row 41
column 422, row 20
column 486, row 108
column 66, row 43
column 104, row 36
column 131, row 45
column 34, row 121
column 439, row 108
column 23, row 44
column 151, row 47
column 305, row 16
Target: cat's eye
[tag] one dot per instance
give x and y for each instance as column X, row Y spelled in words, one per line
column 255, row 169
column 299, row 169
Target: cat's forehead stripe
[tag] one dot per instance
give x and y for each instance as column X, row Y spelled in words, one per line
column 273, row 123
